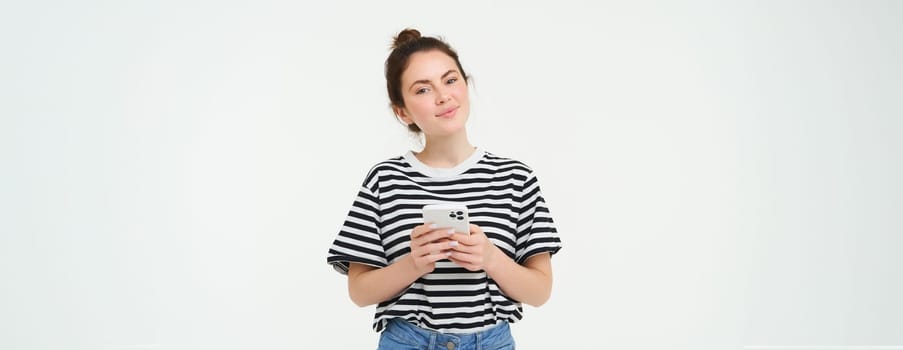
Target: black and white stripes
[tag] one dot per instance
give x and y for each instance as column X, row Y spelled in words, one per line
column 503, row 198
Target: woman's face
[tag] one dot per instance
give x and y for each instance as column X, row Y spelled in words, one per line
column 435, row 94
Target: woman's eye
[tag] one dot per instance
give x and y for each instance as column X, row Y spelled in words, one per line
column 451, row 81
column 422, row 90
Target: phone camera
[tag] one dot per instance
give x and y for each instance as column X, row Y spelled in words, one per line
column 456, row 215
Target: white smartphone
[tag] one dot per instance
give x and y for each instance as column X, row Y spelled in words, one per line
column 448, row 216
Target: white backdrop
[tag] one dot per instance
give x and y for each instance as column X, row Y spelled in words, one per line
column 723, row 176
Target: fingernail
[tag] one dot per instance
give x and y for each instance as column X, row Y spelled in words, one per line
column 448, row 254
column 453, row 244
column 433, row 226
column 451, row 231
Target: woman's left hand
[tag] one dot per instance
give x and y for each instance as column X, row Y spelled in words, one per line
column 474, row 252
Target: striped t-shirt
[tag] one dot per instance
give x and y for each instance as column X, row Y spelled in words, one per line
column 503, row 198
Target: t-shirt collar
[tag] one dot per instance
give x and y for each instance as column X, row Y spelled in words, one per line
column 444, row 172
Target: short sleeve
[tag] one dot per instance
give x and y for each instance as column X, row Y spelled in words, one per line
column 359, row 240
column 536, row 231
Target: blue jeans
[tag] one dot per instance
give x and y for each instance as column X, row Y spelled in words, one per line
column 402, row 335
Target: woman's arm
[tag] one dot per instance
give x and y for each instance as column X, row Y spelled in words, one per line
column 530, row 283
column 369, row 285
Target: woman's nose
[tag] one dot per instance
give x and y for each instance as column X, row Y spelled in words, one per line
column 443, row 97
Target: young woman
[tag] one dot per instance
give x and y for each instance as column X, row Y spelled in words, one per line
column 435, row 288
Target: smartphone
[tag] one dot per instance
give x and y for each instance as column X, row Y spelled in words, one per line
column 448, row 216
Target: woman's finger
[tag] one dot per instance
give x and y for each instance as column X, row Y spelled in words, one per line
column 463, row 261
column 431, row 236
column 437, row 256
column 420, row 230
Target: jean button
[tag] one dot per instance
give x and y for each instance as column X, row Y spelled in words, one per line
column 450, row 346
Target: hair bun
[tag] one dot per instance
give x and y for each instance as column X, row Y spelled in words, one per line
column 405, row 36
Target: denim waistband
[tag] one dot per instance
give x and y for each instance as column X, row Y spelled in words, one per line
column 400, row 328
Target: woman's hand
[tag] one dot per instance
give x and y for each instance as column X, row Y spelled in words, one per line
column 473, row 252
column 428, row 245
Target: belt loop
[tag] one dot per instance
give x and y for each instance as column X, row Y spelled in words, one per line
column 432, row 340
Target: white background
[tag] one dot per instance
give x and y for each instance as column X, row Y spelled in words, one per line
column 723, row 176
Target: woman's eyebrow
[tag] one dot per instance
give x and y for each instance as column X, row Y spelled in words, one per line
column 426, row 81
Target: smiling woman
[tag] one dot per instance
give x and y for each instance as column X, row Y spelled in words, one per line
column 436, row 102
column 433, row 285
column 408, row 67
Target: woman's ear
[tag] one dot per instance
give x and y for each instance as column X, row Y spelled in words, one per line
column 402, row 115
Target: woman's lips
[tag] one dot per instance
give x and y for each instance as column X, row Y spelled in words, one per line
column 448, row 112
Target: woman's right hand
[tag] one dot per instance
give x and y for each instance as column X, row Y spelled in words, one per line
column 430, row 244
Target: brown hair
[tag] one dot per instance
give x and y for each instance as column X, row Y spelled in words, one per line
column 405, row 44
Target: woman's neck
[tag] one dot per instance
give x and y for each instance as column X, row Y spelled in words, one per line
column 445, row 152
